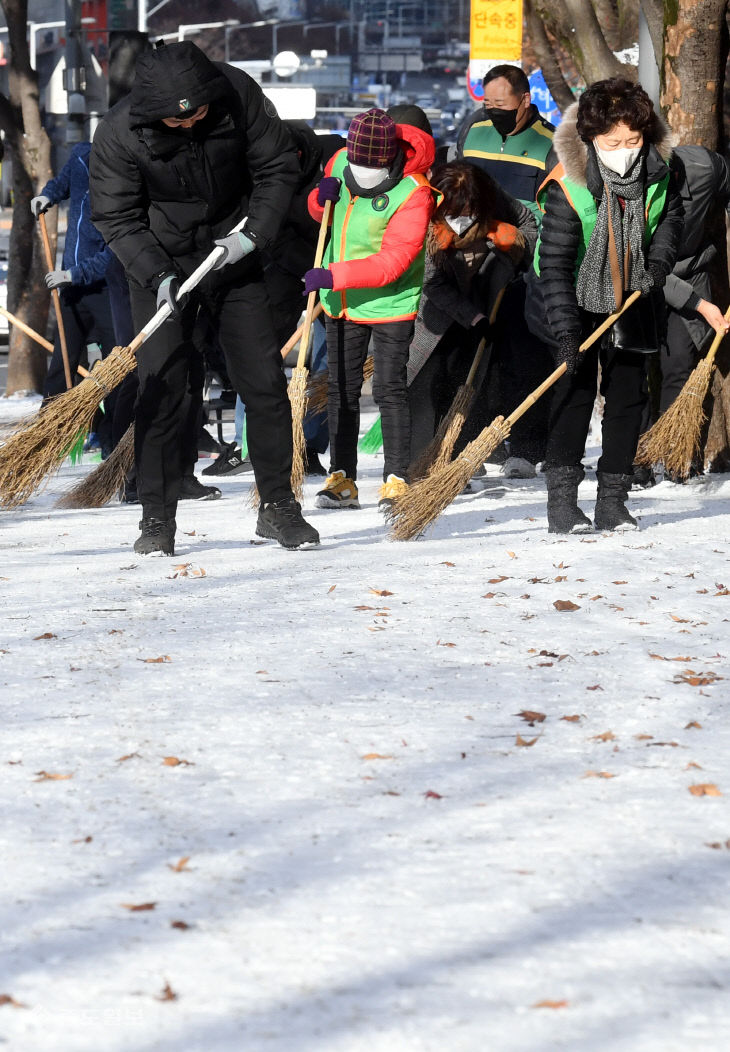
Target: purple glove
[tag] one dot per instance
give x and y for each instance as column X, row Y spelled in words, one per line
column 328, row 190
column 317, row 278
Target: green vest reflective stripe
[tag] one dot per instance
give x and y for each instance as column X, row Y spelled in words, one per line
column 358, row 227
column 517, row 163
column 584, row 203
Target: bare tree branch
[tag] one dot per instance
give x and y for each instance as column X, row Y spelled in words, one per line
column 545, row 54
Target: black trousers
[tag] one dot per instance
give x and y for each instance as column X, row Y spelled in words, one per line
column 436, row 383
column 170, row 390
column 624, row 387
column 523, row 361
column 678, row 357
column 347, row 348
column 87, row 318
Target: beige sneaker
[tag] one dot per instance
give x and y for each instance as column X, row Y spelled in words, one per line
column 339, row 492
column 393, row 487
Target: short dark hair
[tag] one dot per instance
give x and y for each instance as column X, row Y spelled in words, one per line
column 616, row 100
column 517, row 79
column 467, row 190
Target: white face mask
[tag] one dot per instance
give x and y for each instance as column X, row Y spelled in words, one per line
column 368, row 178
column 619, row 161
column 460, row 224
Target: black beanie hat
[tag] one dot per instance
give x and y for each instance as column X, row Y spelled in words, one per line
column 173, row 80
column 406, row 113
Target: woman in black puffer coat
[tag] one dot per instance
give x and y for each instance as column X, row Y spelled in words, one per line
column 612, row 224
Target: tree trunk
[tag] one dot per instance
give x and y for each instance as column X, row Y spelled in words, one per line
column 545, row 55
column 576, row 28
column 691, row 73
column 30, row 152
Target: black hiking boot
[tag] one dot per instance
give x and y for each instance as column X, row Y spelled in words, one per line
column 282, row 521
column 642, row 477
column 564, row 515
column 191, row 488
column 229, row 462
column 313, row 465
column 611, row 511
column 158, row 535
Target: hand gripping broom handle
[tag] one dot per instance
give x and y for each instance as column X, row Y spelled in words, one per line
column 195, row 278
column 56, row 302
column 311, row 299
column 719, row 337
column 483, row 342
column 553, row 377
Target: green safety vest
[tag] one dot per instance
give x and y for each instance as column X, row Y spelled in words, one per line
column 584, row 203
column 358, row 227
column 517, row 163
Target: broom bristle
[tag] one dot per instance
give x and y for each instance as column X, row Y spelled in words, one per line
column 675, row 438
column 438, row 451
column 412, row 513
column 298, row 399
column 37, row 449
column 98, row 488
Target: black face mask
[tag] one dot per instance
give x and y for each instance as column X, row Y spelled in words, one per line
column 504, row 121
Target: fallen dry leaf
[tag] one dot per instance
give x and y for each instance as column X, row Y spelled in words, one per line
column 431, row 795
column 6, row 999
column 180, row 925
column 531, row 717
column 717, row 845
column 693, row 766
column 376, row 756
column 704, row 789
column 186, row 570
column 173, row 761
column 511, row 555
column 643, row 737
column 607, row 736
column 497, row 580
column 168, row 994
column 440, row 644
column 381, row 591
column 565, row 604
column 571, row 719
column 598, row 774
column 46, row 635
column 138, row 907
column 550, row 1004
column 363, row 608
column 447, row 564
column 596, row 686
column 694, row 724
column 180, row 865
column 679, row 620
column 46, row 776
column 331, row 589
column 129, row 756
column 696, row 679
column 162, row 660
column 526, row 742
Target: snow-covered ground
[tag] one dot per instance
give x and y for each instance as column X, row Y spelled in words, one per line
column 309, row 774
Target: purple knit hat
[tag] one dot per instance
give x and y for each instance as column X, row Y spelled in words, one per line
column 372, row 140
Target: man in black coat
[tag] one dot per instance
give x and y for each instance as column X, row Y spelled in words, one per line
column 193, row 149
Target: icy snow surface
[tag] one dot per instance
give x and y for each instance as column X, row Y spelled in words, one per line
column 381, row 854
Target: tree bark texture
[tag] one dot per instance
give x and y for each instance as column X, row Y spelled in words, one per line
column 575, row 25
column 545, row 55
column 30, row 152
column 691, row 68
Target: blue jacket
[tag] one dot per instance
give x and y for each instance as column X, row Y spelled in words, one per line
column 85, row 253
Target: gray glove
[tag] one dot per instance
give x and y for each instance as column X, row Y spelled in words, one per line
column 40, row 204
column 236, row 247
column 167, row 293
column 58, row 278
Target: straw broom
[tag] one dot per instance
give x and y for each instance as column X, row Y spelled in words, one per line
column 439, row 450
column 38, row 448
column 299, row 376
column 675, row 438
column 318, row 386
column 412, row 513
column 56, row 301
column 98, row 488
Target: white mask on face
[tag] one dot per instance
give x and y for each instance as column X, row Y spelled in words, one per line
column 619, row 161
column 460, row 224
column 368, row 178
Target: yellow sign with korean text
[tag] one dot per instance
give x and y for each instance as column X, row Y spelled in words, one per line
column 496, row 29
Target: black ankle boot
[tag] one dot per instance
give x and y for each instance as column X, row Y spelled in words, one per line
column 158, row 535
column 564, row 515
column 611, row 512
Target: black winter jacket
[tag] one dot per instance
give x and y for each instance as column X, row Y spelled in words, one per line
column 552, row 308
column 703, row 180
column 160, row 196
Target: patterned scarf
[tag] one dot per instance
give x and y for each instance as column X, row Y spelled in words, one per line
column 614, row 259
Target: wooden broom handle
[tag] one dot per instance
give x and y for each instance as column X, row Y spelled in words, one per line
column 56, row 302
column 36, row 336
column 483, row 342
column 719, row 337
column 312, row 297
column 296, row 336
column 554, row 376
